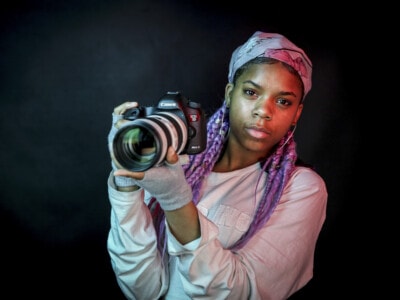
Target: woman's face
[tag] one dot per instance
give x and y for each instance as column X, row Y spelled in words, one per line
column 264, row 102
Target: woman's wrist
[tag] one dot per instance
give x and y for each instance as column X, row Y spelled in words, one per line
column 125, row 184
column 128, row 188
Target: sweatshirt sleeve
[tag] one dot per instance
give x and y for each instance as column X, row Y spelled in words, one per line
column 276, row 262
column 132, row 246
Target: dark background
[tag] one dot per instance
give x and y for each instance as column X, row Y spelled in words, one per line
column 66, row 64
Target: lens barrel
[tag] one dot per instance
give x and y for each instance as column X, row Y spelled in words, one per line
column 143, row 143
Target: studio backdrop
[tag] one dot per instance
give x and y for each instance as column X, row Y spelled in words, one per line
column 66, row 64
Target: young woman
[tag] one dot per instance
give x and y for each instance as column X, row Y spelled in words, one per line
column 241, row 219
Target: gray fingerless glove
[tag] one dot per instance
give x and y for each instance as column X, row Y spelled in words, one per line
column 168, row 185
column 120, row 181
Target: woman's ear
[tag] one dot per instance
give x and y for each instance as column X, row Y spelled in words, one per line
column 228, row 92
column 298, row 113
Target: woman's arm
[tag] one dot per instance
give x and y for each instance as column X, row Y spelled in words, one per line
column 184, row 223
column 132, row 246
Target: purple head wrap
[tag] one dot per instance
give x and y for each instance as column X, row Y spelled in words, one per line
column 262, row 44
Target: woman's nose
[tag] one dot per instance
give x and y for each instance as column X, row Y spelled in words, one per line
column 262, row 110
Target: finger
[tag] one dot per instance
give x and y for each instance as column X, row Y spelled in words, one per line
column 134, row 175
column 172, row 156
column 119, row 123
column 120, row 109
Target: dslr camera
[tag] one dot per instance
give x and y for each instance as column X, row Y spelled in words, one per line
column 142, row 142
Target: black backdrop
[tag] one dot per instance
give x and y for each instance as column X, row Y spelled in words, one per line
column 66, row 64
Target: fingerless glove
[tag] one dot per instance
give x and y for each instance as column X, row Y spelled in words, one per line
column 167, row 183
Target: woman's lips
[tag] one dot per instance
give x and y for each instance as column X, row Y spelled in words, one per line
column 258, row 133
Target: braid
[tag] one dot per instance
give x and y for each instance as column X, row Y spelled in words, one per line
column 279, row 167
column 201, row 165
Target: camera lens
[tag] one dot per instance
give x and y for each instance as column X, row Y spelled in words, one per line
column 141, row 144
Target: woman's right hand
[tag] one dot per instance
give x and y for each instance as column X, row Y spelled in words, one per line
column 117, row 121
column 118, row 112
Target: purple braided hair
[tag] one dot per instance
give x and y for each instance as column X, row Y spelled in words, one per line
column 279, row 167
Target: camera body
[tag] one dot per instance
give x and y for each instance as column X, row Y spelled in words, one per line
column 142, row 142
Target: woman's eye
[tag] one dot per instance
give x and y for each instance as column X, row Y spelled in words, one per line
column 249, row 92
column 283, row 101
